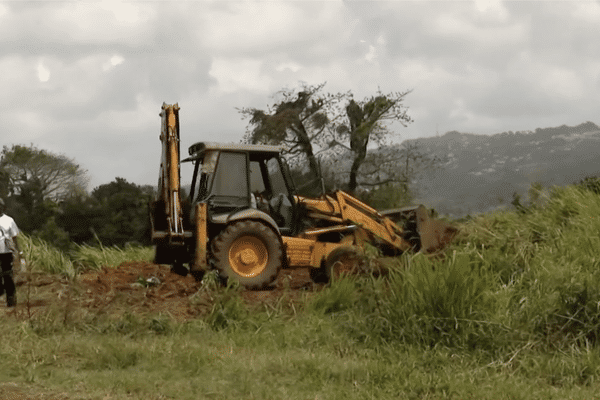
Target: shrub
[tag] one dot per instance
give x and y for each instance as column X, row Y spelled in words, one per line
column 591, row 183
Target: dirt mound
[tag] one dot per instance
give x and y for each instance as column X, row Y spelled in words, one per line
column 139, row 288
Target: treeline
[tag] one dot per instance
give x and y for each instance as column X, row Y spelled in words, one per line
column 46, row 195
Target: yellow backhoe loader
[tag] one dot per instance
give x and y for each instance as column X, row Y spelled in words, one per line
column 243, row 218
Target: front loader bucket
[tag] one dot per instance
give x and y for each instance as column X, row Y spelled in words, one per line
column 434, row 235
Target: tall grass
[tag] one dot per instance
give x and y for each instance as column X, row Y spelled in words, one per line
column 510, row 311
column 96, row 257
column 43, row 257
column 510, row 280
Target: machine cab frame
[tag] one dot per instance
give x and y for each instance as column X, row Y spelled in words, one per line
column 231, row 178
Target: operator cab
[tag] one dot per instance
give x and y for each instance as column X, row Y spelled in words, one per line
column 236, row 177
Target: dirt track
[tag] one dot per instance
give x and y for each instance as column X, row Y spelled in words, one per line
column 139, row 288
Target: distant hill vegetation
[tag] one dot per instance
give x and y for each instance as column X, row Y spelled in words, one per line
column 482, row 172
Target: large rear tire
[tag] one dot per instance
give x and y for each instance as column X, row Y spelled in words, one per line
column 249, row 252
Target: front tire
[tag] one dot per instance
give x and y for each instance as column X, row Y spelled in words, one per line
column 341, row 261
column 249, row 252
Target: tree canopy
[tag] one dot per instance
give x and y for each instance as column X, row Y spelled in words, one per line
column 309, row 123
column 34, row 181
column 52, row 176
column 115, row 213
column 46, row 194
column 298, row 121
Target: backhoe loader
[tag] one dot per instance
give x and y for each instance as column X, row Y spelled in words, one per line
column 243, row 217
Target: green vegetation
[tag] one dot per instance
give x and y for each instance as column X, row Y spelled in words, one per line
column 47, row 196
column 44, row 257
column 510, row 311
column 95, row 257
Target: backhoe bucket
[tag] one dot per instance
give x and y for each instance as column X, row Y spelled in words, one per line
column 434, row 235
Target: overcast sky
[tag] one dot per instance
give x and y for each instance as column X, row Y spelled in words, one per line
column 87, row 79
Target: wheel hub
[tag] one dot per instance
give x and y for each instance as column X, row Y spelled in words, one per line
column 248, row 256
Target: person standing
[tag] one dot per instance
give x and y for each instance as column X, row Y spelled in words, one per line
column 9, row 248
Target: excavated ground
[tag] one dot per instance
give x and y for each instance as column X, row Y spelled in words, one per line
column 138, row 288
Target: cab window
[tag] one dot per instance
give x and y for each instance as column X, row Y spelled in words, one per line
column 276, row 177
column 256, row 180
column 230, row 182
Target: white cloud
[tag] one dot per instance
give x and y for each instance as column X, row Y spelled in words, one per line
column 3, row 10
column 291, row 66
column 471, row 30
column 462, row 114
column 592, row 71
column 588, row 11
column 123, row 12
column 17, row 74
column 248, row 26
column 370, row 56
column 263, row 27
column 337, row 75
column 554, row 80
column 561, row 81
column 29, row 123
column 113, row 62
column 144, row 114
column 493, row 9
column 43, row 72
column 235, row 74
column 419, row 72
column 101, row 22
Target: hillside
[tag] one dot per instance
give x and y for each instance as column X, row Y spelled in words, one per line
column 482, row 172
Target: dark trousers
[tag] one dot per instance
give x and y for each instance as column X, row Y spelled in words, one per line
column 7, row 284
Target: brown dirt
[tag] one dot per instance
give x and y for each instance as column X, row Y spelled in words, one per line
column 139, row 288
column 124, row 289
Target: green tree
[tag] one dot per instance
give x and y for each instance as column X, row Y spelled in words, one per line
column 298, row 122
column 78, row 215
column 115, row 213
column 398, row 166
column 54, row 176
column 33, row 181
column 121, row 212
column 365, row 121
column 308, row 122
column 591, row 183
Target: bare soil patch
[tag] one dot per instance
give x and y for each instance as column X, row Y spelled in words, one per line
column 138, row 288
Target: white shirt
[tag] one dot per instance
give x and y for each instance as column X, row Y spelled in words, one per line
column 8, row 229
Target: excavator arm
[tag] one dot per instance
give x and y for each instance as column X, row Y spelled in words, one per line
column 175, row 244
column 166, row 211
column 343, row 209
column 420, row 232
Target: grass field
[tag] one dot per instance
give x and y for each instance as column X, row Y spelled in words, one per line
column 512, row 311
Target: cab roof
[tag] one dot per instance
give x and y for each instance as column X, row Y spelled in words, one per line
column 197, row 149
